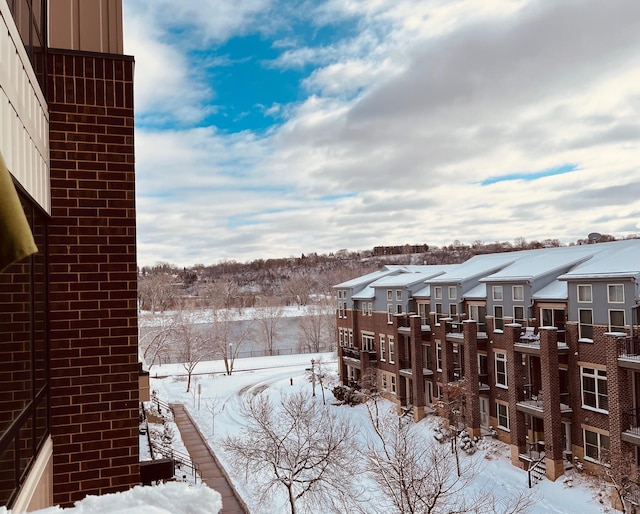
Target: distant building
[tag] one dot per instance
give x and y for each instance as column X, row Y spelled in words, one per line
column 68, row 321
column 544, row 343
column 399, row 250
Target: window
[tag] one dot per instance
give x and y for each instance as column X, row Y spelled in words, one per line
column 350, row 338
column 423, row 310
column 596, row 445
column 585, row 317
column 342, row 309
column 437, row 292
column 392, row 350
column 382, row 349
column 616, row 321
column 399, row 309
column 502, row 413
column 518, row 314
column 478, row 313
column 384, row 381
column 497, row 293
column 438, row 313
column 364, row 308
column 615, row 293
column 340, row 337
column 393, row 384
column 501, row 369
column 498, row 314
column 438, row 356
column 440, row 391
column 426, row 357
column 594, row 389
column 453, row 309
column 518, row 293
column 390, row 313
column 367, row 342
column 453, row 292
column 369, row 308
column 389, row 295
column 398, row 295
column 584, row 293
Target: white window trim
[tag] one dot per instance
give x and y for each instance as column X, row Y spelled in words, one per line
column 437, row 292
column 581, row 338
column 398, row 295
column 609, row 295
column 382, row 348
column 590, row 289
column 506, row 407
column 600, row 447
column 513, row 293
column 515, row 317
column 393, row 384
column 392, row 349
column 455, row 293
column 369, row 308
column 595, row 375
column 624, row 318
column 389, row 295
column 438, row 356
column 496, row 297
column 390, row 314
column 497, row 359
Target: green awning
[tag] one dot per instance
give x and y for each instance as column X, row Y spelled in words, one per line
column 16, row 239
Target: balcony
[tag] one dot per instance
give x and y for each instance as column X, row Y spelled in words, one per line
column 629, row 352
column 405, row 367
column 531, row 402
column 483, row 382
column 351, row 353
column 529, row 343
column 631, row 426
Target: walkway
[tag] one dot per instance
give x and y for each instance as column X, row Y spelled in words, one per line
column 211, row 473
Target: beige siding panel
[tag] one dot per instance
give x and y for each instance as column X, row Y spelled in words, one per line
column 24, row 117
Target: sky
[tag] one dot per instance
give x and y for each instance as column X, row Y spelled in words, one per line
column 274, row 128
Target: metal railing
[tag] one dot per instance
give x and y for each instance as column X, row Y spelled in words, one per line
column 629, row 347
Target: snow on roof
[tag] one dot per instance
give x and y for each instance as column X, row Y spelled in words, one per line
column 531, row 264
column 479, row 265
column 610, row 260
column 478, row 292
column 368, row 293
column 556, row 290
column 365, row 279
column 425, row 292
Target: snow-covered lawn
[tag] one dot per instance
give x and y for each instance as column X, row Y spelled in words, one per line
column 223, row 394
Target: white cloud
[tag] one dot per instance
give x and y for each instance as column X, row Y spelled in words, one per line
column 405, row 117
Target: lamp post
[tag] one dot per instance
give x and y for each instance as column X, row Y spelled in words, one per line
column 313, row 377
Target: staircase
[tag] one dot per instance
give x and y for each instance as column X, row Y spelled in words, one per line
column 536, row 472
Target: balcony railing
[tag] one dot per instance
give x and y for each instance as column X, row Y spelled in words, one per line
column 532, row 397
column 629, row 348
column 631, row 421
column 353, row 353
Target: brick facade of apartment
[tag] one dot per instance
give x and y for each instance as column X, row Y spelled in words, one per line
column 93, row 292
column 544, row 390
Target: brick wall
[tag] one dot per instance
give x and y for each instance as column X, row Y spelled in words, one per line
column 93, row 323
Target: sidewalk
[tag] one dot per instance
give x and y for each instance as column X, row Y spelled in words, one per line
column 211, row 473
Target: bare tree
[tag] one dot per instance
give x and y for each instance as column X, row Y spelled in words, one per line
column 156, row 342
column 300, row 448
column 299, row 288
column 619, row 469
column 269, row 315
column 314, row 327
column 192, row 348
column 156, row 292
column 226, row 337
column 418, row 475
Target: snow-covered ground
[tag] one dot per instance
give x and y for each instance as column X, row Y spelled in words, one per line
column 222, row 395
column 219, row 401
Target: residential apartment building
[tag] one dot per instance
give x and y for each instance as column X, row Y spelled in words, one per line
column 545, row 345
column 68, row 320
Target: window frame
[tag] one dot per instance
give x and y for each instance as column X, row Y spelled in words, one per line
column 393, row 383
column 501, row 378
column 609, row 286
column 392, row 349
column 453, row 289
column 389, row 313
column 504, row 415
column 583, row 288
column 597, row 376
column 517, row 318
column 497, row 293
column 599, row 446
column 439, row 357
column 582, row 326
column 498, row 320
column 381, row 342
column 368, row 342
column 624, row 320
column 437, row 292
column 398, row 295
column 514, row 297
column 389, row 295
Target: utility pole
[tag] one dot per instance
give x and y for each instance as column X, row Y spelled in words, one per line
column 313, row 377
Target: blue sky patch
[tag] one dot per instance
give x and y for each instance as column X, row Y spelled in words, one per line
column 532, row 175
